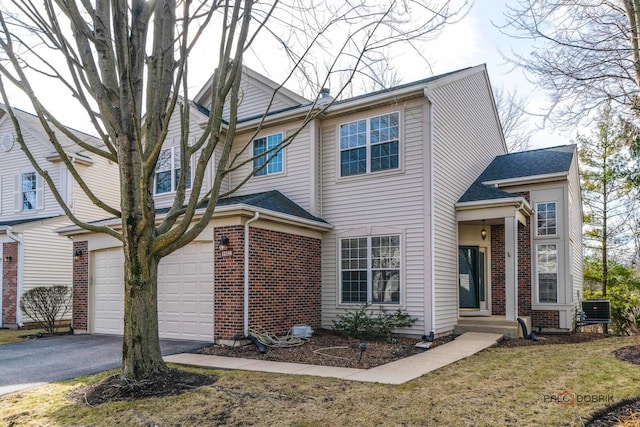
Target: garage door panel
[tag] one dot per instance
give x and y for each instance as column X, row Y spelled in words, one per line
column 185, row 293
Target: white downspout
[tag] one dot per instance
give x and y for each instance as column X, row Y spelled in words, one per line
column 432, row 244
column 19, row 284
column 246, row 272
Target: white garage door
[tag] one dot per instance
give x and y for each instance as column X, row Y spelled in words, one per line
column 185, row 293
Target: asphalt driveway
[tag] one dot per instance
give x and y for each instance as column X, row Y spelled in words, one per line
column 37, row 361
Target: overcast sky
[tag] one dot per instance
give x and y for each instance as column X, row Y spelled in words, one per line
column 472, row 41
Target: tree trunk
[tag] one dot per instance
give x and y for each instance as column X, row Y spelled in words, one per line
column 141, row 355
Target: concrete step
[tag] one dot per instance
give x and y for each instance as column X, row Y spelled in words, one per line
column 509, row 332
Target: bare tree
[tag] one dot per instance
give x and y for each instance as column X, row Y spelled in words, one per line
column 513, row 118
column 585, row 53
column 127, row 63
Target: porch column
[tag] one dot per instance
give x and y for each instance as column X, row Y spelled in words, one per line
column 511, row 267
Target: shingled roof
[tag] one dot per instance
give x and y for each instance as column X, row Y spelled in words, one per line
column 543, row 161
column 270, row 200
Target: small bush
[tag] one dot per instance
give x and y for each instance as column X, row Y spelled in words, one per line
column 46, row 305
column 363, row 323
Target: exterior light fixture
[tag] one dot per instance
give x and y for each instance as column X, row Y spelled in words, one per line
column 483, row 232
column 223, row 245
column 77, row 254
column 7, row 258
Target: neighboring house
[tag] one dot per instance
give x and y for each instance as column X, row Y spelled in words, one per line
column 32, row 254
column 381, row 199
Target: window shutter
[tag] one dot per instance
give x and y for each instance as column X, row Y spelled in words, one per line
column 39, row 192
column 17, row 192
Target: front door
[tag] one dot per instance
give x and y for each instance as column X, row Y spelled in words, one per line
column 471, row 277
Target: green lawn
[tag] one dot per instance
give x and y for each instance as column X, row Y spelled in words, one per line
column 500, row 386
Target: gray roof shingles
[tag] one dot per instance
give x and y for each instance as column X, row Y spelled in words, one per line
column 522, row 164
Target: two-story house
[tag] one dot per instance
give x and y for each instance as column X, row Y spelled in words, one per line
column 401, row 198
column 31, row 253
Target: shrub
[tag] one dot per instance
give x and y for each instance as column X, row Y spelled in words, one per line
column 46, row 305
column 363, row 323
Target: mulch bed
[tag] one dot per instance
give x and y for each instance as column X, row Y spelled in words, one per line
column 167, row 383
column 329, row 349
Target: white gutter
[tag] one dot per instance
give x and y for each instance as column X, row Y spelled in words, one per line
column 527, row 179
column 19, row 284
column 432, row 227
column 246, row 272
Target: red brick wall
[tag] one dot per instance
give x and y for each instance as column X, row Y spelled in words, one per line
column 80, row 286
column 284, row 282
column 229, row 283
column 524, row 268
column 497, row 270
column 545, row 318
column 9, row 283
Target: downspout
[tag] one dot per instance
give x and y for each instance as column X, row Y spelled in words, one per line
column 246, row 272
column 432, row 246
column 19, row 284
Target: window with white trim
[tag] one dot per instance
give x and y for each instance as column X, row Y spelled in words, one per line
column 547, row 268
column 370, row 145
column 168, row 171
column 270, row 160
column 28, row 191
column 370, row 270
column 547, row 219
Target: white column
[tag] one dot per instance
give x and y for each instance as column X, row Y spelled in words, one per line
column 511, row 267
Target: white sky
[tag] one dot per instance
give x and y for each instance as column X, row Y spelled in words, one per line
column 472, row 41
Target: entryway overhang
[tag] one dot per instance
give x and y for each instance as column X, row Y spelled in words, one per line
column 508, row 211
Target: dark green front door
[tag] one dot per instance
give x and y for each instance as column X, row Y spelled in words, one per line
column 470, row 277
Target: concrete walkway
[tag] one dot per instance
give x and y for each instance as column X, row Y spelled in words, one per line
column 397, row 372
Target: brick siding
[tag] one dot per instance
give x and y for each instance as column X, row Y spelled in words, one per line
column 9, row 284
column 545, row 318
column 284, row 277
column 80, row 286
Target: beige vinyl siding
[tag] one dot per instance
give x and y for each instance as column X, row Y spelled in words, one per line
column 393, row 200
column 13, row 163
column 48, row 257
column 294, row 181
column 575, row 223
column 255, row 100
column 467, row 137
column 102, row 178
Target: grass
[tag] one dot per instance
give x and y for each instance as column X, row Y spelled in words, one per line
column 8, row 336
column 499, row 386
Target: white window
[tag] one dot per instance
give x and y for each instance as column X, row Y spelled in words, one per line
column 28, row 191
column 370, row 270
column 168, row 171
column 370, row 145
column 267, row 149
column 547, row 219
column 547, row 268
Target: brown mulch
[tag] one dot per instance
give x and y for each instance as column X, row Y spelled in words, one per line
column 329, row 349
column 114, row 388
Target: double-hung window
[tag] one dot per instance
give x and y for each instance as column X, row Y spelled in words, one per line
column 28, row 191
column 547, row 219
column 370, row 270
column 547, row 257
column 268, row 155
column 168, row 171
column 370, row 145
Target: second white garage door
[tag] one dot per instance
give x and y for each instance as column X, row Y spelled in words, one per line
column 185, row 293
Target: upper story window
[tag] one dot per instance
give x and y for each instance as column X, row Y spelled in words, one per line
column 547, row 219
column 168, row 171
column 28, row 191
column 267, row 162
column 370, row 270
column 370, row 145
